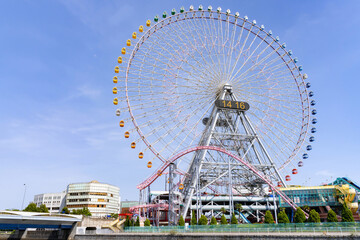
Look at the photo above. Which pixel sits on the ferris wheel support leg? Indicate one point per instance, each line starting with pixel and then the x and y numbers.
pixel 205 141
pixel 266 153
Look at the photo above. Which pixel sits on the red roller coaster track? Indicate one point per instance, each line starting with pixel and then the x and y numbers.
pixel 162 168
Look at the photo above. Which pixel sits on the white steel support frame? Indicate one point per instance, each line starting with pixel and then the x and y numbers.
pixel 196 179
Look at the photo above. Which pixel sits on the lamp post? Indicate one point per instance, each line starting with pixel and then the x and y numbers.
pixel 22 205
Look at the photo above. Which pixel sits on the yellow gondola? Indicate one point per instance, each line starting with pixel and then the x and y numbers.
pixel 119 59
pixel 128 43
pixel 123 50
pixel 115 79
pixel 114 90
pixel 127 134
pixel 141 28
pixel 115 101
pixel 134 35
pixel 116 69
pixel 148 23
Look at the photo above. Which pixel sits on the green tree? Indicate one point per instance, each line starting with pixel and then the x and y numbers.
pixel 282 217
pixel 137 223
pixel 147 223
pixel 114 215
pixel 43 208
pixel 331 217
pixel 127 222
pixel 193 218
pixel 85 211
pixel 223 220
pixel 181 221
pixel 306 208
pixel 299 216
pixel 268 217
pixel 31 208
pixel 65 210
pixel 233 219
pixel 239 207
pixel 314 216
pixel 346 215
pixel 213 221
pixel 223 210
pixel 203 220
pixel 132 222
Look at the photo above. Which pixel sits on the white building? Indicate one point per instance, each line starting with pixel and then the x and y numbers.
pixel 100 198
pixel 54 202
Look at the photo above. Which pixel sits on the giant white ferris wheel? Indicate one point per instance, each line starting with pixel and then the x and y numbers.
pixel 200 88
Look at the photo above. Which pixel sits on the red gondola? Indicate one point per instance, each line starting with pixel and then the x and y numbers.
pixel 287 178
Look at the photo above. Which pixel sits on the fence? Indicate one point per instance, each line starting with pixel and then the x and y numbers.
pixel 254 228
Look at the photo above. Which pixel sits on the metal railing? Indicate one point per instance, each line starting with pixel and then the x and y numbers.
pixel 341 227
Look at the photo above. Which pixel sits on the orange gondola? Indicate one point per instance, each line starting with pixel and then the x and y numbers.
pixel 141 155
pixel 181 186
pixel 149 164
pixel 127 134
pixel 121 124
pixel 133 145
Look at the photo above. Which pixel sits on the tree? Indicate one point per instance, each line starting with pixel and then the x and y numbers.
pixel 282 217
pixel 223 210
pixel 31 208
pixel 233 219
pixel 306 208
pixel 127 222
pixel 223 220
pixel 268 217
pixel 43 208
pixel 132 222
pixel 239 207
pixel 85 211
pixel 193 218
pixel 203 220
pixel 181 221
pixel 65 210
pixel 147 223
pixel 137 223
pixel 314 216
pixel 299 216
pixel 346 215
pixel 213 221
pixel 331 217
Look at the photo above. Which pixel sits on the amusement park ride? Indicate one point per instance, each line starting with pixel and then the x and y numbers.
pixel 219 106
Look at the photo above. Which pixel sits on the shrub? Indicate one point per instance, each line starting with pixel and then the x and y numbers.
pixel 147 223
pixel 314 216
pixel 203 220
pixel 181 221
pixel 137 223
pixel 282 217
pixel 299 216
pixel 346 215
pixel 268 217
pixel 193 218
pixel 223 220
pixel 213 221
pixel 233 219
pixel 331 217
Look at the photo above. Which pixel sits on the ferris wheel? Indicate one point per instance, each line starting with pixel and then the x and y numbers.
pixel 172 73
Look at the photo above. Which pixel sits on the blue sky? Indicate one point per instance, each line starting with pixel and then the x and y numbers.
pixel 57 123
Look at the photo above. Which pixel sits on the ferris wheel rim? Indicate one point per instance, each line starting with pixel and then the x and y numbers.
pixel 302 93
